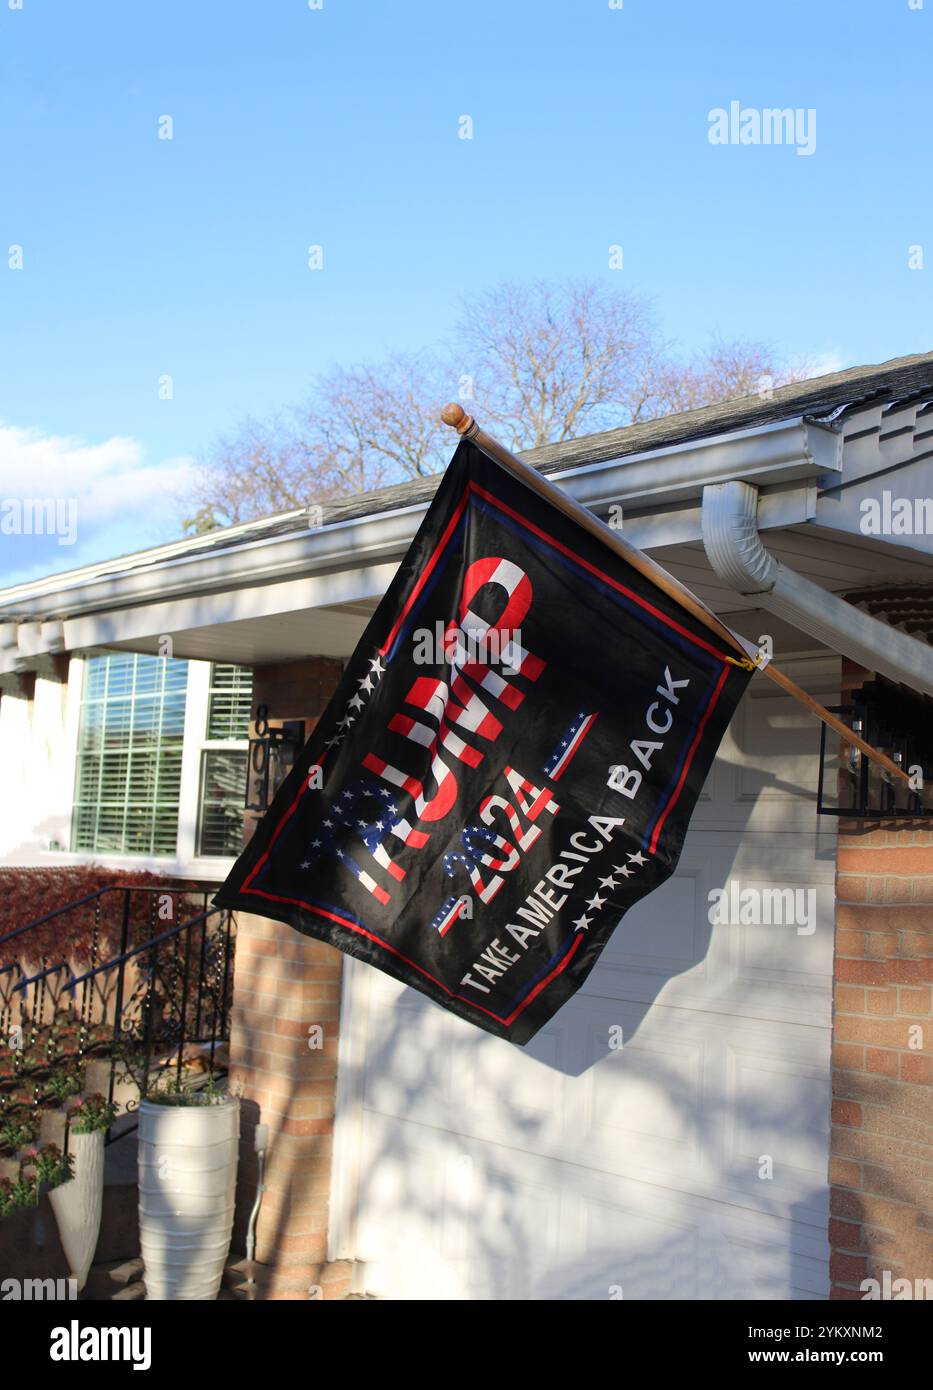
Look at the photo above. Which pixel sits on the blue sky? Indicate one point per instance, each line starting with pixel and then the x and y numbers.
pixel 338 126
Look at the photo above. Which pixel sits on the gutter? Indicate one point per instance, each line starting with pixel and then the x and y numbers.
pixel 783 453
pixel 787 451
pixel 739 558
pixel 291 555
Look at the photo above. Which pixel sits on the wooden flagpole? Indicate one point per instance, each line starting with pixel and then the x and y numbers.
pixel 455 416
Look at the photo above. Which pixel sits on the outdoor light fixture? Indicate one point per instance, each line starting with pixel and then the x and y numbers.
pixel 272 753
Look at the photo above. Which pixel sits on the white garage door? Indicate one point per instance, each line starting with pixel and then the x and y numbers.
pixel 689 1163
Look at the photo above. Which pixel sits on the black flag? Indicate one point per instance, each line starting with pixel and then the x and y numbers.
pixel 510 761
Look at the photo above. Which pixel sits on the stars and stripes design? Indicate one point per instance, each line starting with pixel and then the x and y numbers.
pixel 342 815
pixel 448 914
pixel 569 745
pixel 365 687
pixel 596 903
pixel 488 841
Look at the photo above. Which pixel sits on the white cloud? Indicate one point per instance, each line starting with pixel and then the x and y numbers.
pixel 124 502
pixel 825 363
pixel 108 479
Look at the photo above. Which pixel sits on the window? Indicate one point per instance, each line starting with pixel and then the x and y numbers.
pixel 228 706
pixel 223 761
pixel 129 755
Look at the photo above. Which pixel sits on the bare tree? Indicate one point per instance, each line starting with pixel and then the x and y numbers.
pixel 360 429
pixel 258 470
pixel 542 363
pixel 549 362
pixel 373 425
pixel 726 371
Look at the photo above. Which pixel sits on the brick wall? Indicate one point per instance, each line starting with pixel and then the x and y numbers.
pixel 881 1164
pixel 287 987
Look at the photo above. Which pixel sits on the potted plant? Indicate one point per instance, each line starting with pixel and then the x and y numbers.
pixel 188 1150
pixel 51 1167
pixel 25 1245
pixel 17 1130
pixel 78 1204
pixel 62 1084
pixel 17 1195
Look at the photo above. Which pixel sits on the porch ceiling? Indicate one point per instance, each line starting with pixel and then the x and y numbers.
pixel 285 636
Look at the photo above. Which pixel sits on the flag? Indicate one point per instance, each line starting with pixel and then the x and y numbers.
pixel 509 762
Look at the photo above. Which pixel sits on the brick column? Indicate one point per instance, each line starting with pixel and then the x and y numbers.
pixel 881 1164
pixel 286 1002
pixel 284 1032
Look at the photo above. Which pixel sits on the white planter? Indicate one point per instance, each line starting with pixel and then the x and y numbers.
pixel 187 1181
pixel 77 1204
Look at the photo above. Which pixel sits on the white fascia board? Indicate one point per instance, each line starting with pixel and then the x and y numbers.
pixel 256 562
pixel 29 640
pixel 681 523
pixel 141 559
pixel 785 451
pixel 126 624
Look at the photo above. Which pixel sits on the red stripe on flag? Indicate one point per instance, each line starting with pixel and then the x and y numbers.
pixel 542 984
pixel 361 931
pixel 428 570
pixel 576 745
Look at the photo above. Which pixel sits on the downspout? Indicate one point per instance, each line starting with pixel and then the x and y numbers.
pixel 738 556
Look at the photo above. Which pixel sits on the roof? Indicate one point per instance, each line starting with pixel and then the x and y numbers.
pixel 824 400
pixel 904 606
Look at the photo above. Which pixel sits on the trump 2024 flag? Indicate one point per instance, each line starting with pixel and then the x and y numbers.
pixel 510 761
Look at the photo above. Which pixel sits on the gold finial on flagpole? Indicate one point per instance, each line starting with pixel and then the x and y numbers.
pixel 455 416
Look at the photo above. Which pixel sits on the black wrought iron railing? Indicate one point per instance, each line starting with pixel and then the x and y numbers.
pixel 158 1007
pixel 854 788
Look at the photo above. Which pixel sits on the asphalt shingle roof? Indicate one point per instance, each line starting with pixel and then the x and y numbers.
pixel 824 398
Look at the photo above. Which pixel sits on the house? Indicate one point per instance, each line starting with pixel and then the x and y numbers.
pixel 765 1129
